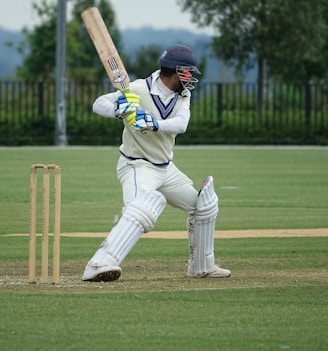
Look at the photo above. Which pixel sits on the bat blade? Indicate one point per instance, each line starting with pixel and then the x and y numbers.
pixel 106 49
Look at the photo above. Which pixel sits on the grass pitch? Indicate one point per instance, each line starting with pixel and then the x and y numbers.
pixel 276 298
pixel 258 188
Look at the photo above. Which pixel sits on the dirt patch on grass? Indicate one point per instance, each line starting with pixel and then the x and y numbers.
pixel 223 234
pixel 261 233
pixel 158 274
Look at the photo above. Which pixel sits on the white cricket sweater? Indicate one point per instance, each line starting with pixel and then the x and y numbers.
pixel 172 111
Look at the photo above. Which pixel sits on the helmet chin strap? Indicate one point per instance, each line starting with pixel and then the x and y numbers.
pixel 181 89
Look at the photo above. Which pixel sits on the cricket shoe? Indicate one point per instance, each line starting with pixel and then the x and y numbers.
pixel 98 274
pixel 215 271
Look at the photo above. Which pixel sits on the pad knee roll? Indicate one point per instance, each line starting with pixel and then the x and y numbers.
pixel 139 217
pixel 146 209
pixel 207 202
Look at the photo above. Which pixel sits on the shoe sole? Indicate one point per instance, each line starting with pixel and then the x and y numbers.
pixel 106 276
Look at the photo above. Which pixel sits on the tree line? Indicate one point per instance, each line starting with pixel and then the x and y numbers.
pixel 287 40
pixel 38 48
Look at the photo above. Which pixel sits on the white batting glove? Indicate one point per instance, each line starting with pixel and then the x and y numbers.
pixel 126 104
pixel 143 121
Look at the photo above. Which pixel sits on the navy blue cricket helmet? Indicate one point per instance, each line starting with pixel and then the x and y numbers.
pixel 178 55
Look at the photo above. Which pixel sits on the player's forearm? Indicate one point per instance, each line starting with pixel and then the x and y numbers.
pixel 104 105
pixel 176 125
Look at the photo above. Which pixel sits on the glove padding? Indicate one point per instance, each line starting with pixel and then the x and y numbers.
pixel 143 121
pixel 126 104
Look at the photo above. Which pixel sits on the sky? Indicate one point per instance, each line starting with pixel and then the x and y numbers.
pixel 159 14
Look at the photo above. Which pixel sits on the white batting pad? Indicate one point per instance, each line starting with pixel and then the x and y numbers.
pixel 201 229
pixel 139 217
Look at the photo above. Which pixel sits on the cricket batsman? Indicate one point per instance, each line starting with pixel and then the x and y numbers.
pixel 153 112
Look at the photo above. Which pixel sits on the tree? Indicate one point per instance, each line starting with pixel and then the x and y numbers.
pixel 82 59
pixel 288 36
pixel 145 61
pixel 39 46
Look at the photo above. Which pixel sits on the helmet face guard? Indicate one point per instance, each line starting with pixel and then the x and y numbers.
pixel 185 75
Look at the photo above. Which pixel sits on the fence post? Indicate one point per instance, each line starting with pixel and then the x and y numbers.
pixel 40 99
pixel 307 109
pixel 220 105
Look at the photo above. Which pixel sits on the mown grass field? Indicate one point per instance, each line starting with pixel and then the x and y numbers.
pixel 276 298
pixel 257 187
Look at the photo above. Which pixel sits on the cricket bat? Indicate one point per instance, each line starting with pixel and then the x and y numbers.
pixel 106 49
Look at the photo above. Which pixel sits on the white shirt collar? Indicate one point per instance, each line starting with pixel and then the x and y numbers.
pixel 160 89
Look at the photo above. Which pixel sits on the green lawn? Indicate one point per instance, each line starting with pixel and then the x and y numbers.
pixel 276 298
pixel 257 187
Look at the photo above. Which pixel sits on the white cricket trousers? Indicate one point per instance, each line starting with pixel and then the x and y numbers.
pixel 137 176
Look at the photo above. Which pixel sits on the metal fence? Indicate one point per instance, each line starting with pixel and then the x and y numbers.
pixel 221 113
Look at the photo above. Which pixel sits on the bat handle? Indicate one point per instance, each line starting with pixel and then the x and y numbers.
pixel 126 91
